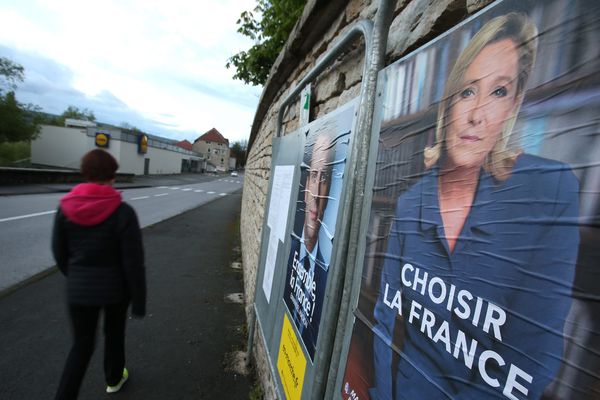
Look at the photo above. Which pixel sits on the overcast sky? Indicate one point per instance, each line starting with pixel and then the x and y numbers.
pixel 157 65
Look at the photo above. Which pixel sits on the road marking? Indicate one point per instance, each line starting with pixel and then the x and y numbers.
pixel 162 187
pixel 186 190
pixel 27 216
pixel 222 194
pixel 174 188
pixel 161 194
pixel 210 192
pixel 199 191
pixel 139 198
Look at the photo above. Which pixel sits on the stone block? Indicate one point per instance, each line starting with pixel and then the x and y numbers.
pixel 421 21
pixel 476 5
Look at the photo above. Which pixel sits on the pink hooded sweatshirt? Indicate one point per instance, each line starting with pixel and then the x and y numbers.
pixel 90 203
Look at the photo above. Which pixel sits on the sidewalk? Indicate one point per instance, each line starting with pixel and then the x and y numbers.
pixel 178 351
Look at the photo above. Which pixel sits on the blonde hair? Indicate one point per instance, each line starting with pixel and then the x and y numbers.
pixel 523 32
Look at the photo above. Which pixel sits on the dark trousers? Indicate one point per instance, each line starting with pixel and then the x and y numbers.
pixel 84 321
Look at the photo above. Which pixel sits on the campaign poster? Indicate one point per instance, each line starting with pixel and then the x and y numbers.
pixel 480 276
pixel 313 233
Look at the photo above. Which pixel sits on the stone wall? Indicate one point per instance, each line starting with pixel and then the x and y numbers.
pixel 414 23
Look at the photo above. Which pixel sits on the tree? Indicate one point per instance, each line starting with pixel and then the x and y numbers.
pixel 76 113
pixel 127 126
pixel 11 73
pixel 239 151
pixel 17 121
pixel 270 34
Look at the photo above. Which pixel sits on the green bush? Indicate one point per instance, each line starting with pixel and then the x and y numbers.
pixel 13 152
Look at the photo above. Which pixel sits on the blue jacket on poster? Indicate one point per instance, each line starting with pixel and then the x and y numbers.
pixel 485 321
pixel 317 268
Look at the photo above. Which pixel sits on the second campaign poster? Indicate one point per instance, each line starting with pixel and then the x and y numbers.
pixel 313 234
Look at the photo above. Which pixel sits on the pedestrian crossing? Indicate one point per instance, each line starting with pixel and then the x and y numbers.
pixel 166 190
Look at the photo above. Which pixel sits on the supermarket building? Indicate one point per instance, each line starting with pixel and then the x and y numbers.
pixel 136 152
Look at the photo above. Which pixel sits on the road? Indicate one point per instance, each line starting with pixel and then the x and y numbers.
pixel 26 221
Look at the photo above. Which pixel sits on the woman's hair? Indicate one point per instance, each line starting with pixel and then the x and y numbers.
pixel 523 32
pixel 98 166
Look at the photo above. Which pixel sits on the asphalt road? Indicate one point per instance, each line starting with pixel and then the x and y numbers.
pixel 178 351
pixel 26 219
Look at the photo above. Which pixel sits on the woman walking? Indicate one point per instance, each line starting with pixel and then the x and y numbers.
pixel 97 245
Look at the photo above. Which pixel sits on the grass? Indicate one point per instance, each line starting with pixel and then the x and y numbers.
pixel 256 393
pixel 12 152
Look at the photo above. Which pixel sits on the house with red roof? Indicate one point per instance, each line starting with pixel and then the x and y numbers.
pixel 185 144
pixel 214 148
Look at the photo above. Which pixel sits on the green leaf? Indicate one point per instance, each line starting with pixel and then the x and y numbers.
pixel 270 33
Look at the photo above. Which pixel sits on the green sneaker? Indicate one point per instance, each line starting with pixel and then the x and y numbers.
pixel 117 387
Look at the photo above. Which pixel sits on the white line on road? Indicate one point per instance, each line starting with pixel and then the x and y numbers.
pixel 27 216
pixel 186 190
pixel 161 194
pixel 210 192
pixel 199 191
pixel 139 198
pixel 222 194
pixel 174 188
pixel 162 187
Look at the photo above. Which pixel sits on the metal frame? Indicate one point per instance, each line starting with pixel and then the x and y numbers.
pixel 364 28
pixel 354 202
pixel 337 312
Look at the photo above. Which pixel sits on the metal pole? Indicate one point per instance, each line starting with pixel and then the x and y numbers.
pixel 327 330
pixel 355 196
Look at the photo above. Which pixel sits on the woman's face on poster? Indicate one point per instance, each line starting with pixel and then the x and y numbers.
pixel 486 98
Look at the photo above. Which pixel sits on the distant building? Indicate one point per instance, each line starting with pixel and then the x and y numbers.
pixel 184 144
pixel 136 152
pixel 213 147
pixel 200 166
pixel 232 161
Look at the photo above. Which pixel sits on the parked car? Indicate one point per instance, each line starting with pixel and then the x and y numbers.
pixel 234 173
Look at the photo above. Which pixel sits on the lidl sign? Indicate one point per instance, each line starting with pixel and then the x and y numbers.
pixel 142 144
pixel 102 139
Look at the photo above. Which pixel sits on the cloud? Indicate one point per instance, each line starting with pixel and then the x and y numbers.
pixel 231 95
pixel 47 85
pixel 155 65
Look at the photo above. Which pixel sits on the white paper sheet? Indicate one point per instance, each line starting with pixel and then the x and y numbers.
pixel 277 220
pixel 270 266
pixel 280 199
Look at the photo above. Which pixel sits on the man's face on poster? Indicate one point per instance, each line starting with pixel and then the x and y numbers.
pixel 317 189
